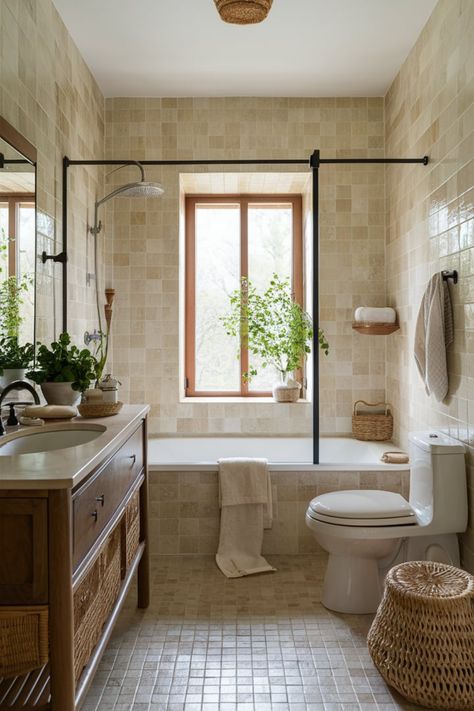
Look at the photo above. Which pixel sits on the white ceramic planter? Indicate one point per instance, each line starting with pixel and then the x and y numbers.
pixel 10 375
pixel 60 394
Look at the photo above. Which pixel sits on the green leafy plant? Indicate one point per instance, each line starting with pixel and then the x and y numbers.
pixel 12 292
pixel 64 363
pixel 272 325
pixel 12 355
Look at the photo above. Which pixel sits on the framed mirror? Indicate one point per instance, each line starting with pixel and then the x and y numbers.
pixel 17 251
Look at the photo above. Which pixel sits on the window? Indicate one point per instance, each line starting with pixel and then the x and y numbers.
pixel 227 238
pixel 17 234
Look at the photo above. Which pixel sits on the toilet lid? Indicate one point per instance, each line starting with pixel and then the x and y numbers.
pixel 362 504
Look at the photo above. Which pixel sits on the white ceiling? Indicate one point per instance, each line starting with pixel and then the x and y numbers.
pixel 304 47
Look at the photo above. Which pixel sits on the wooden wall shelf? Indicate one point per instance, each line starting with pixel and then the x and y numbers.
pixel 375 329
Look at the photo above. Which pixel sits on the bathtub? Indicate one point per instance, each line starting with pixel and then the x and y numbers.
pixel 283 453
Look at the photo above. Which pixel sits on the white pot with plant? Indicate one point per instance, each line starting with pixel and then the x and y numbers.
pixel 15 357
pixel 63 371
pixel 275 329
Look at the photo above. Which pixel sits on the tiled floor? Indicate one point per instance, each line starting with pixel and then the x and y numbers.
pixel 262 643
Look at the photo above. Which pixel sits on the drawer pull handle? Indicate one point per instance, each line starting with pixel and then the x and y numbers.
pixel 100 499
pixel 95 515
pixel 133 457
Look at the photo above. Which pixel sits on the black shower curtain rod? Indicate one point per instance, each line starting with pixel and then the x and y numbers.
pixel 257 161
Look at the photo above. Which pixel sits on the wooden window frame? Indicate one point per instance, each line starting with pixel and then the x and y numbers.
pixel 13 201
pixel 190 278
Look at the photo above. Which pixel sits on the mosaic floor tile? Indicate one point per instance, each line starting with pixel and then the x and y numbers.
pixel 261 643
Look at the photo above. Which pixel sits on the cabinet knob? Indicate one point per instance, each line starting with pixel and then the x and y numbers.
pixel 100 499
pixel 95 515
pixel 133 457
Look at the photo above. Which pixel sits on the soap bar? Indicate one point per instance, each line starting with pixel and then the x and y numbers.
pixel 50 412
pixel 372 314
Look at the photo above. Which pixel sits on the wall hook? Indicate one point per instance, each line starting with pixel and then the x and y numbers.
pixel 450 274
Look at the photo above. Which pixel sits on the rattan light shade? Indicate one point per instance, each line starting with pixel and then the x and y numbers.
pixel 243 12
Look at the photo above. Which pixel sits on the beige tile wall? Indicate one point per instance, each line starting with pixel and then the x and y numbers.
pixel 430 221
pixel 48 94
pixel 143 256
pixel 184 509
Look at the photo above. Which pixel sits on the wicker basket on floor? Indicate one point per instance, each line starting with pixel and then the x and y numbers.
pixel 422 638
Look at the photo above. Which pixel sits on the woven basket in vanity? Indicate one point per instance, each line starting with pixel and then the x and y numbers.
pixel 372 427
pixel 422 638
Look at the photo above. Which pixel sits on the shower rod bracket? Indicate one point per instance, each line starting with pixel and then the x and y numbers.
pixel 61 257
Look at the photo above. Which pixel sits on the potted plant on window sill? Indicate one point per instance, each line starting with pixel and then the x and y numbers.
pixel 276 329
pixel 63 371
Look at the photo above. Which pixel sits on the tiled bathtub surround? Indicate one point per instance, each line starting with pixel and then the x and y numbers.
pixel 143 248
pixel 184 509
pixel 430 222
pixel 49 95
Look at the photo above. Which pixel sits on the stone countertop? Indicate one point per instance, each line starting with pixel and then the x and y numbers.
pixel 66 468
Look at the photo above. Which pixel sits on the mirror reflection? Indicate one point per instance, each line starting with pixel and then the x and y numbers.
pixel 17 262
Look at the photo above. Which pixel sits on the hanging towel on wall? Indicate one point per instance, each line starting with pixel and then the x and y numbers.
pixel 246 509
pixel 433 334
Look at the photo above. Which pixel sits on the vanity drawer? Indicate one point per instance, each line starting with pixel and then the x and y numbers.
pixel 95 503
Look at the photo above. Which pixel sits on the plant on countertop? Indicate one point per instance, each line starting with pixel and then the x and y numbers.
pixel 273 324
pixel 64 363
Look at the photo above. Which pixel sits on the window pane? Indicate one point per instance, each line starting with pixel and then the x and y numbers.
pixel 270 250
pixel 26 266
pixel 217 238
pixel 3 241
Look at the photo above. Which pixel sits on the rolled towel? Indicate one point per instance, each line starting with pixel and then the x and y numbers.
pixel 395 458
pixel 373 314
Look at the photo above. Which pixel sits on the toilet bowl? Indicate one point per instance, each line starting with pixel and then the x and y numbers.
pixel 366 532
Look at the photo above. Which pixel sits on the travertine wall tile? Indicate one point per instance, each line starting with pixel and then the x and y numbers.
pixel 49 95
pixel 430 222
pixel 143 264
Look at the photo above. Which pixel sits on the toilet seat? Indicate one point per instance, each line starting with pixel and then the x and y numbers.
pixel 362 508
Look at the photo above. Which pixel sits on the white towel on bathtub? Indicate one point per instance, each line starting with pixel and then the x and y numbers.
pixel 246 506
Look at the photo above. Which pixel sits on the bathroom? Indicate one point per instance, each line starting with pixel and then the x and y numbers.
pixel 205 641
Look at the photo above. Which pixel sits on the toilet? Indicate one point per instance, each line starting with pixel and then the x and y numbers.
pixel 367 532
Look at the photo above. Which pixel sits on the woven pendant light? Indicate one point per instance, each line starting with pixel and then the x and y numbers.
pixel 243 12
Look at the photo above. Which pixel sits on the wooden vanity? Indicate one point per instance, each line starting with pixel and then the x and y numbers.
pixel 72 535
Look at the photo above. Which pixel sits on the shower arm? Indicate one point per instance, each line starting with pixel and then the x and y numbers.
pixel 95 230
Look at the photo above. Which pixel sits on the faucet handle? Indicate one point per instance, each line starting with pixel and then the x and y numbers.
pixel 12 418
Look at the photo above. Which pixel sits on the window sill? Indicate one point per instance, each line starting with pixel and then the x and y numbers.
pixel 240 400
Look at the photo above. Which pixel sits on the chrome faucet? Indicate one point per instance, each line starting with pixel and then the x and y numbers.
pixel 16 385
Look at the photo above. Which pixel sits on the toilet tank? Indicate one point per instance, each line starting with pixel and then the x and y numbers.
pixel 438 489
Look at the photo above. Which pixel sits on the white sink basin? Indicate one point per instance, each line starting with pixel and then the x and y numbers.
pixel 48 438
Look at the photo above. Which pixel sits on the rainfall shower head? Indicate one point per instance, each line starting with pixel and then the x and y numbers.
pixel 141 188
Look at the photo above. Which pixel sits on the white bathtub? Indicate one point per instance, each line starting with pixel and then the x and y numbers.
pixel 283 453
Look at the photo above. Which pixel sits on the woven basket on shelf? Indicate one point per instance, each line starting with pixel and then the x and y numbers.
pixel 23 639
pixel 99 409
pixel 94 599
pixel 422 638
pixel 373 427
pixel 130 531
